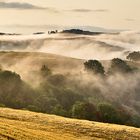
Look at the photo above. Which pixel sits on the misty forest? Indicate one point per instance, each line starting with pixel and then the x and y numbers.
pixel 73 73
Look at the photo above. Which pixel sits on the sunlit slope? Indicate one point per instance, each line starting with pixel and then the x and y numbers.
pixel 29 63
pixel 34 60
pixel 17 124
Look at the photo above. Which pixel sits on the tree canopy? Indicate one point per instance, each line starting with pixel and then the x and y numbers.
pixel 134 56
pixel 84 110
pixel 119 65
pixel 94 66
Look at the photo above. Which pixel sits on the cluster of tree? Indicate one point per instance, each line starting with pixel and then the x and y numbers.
pixel 13 91
pixel 134 56
pixel 53 32
pixel 103 112
pixel 117 66
pixel 49 97
pixel 58 95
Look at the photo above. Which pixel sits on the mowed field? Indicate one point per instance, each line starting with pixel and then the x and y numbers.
pixel 25 125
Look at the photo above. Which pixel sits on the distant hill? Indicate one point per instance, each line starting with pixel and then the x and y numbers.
pixel 78 31
pixel 21 125
pixel 38 33
pixel 1 33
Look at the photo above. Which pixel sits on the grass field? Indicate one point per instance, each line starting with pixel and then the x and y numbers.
pixel 25 125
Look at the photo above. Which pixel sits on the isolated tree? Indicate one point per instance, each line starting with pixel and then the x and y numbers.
pixel 45 71
pixel 134 56
pixel 94 66
pixel 119 65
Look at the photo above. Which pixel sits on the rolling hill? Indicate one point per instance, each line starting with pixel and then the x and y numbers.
pixel 25 63
pixel 23 125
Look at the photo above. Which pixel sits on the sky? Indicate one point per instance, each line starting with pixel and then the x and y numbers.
pixel 40 14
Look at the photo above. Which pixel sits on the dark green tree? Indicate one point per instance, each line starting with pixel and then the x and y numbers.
pixel 84 110
pixel 13 91
pixel 107 113
pixel 94 66
pixel 45 103
pixel 57 80
pixel 59 110
pixel 119 65
pixel 134 56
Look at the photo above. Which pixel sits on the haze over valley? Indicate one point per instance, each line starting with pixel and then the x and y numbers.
pixel 69 70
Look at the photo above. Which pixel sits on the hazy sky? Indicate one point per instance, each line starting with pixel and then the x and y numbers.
pixel 114 14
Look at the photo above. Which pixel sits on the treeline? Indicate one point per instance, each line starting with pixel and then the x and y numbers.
pixel 64 95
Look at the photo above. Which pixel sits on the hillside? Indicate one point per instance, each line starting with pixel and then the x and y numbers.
pixel 59 85
pixel 32 61
pixel 36 59
pixel 17 61
pixel 17 124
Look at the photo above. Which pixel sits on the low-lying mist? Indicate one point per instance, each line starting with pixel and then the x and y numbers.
pixel 102 47
pixel 26 55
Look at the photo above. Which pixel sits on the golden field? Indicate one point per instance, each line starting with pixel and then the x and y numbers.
pixel 25 125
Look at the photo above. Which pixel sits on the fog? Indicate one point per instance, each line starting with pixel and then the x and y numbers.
pixel 102 47
pixel 119 88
